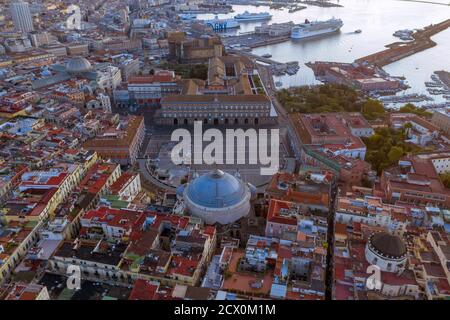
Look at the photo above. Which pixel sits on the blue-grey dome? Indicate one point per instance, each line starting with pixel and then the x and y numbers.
pixel 78 65
pixel 216 189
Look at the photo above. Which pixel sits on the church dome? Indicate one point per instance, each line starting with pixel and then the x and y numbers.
pixel 387 251
pixel 218 196
pixel 388 245
pixel 78 65
pixel 216 189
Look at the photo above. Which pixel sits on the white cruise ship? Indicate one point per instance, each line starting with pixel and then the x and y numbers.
pixel 315 28
pixel 221 24
pixel 247 16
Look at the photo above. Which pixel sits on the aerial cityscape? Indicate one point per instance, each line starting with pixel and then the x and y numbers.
pixel 225 150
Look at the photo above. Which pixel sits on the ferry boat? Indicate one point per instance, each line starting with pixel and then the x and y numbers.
pixel 247 16
pixel 222 24
pixel 315 28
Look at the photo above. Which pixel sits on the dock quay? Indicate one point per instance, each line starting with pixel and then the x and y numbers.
pixel 436 105
pixel 407 98
pixel 296 8
pixel 277 68
pixel 363 76
pixel 444 77
pixel 279 4
pixel 399 50
pixel 253 40
pixel 321 3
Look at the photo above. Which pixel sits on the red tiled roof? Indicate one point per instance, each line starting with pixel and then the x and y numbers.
pixel 143 290
pixel 184 265
pixel 121 182
pixel 273 214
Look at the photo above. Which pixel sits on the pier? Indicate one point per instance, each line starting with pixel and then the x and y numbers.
pixel 321 3
pixel 277 68
pixel 444 77
pixel 253 40
pixel 399 50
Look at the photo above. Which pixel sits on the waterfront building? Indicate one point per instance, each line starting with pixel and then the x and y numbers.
pixel 190 50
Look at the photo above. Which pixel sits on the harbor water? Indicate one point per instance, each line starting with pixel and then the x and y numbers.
pixel 378 20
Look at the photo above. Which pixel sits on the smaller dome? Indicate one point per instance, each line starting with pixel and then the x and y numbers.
pixel 78 65
pixel 388 245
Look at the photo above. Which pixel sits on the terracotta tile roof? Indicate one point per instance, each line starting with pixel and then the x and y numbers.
pixel 143 290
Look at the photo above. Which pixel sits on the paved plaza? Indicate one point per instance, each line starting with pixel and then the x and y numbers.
pixel 158 147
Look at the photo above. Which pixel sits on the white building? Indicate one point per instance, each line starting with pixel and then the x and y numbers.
pixel 109 78
pixel 20 12
pixel 105 102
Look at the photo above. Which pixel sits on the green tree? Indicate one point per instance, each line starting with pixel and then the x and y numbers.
pixel 395 154
pixel 372 109
pixel 319 99
pixel 386 146
pixel 410 108
pixel 445 179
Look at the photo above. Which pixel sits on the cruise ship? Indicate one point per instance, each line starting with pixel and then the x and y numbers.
pixel 315 28
pixel 247 16
pixel 221 24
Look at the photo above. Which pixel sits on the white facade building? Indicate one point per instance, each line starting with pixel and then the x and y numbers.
pixel 109 78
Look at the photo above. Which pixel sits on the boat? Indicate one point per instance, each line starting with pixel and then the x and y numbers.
pixel 315 28
pixel 278 84
pixel 247 16
pixel 358 31
pixel 405 35
pixel 221 24
pixel 187 16
pixel 267 55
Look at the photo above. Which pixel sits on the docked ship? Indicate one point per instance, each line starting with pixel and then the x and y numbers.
pixel 316 28
pixel 187 16
pixel 247 16
pixel 405 35
pixel 221 24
